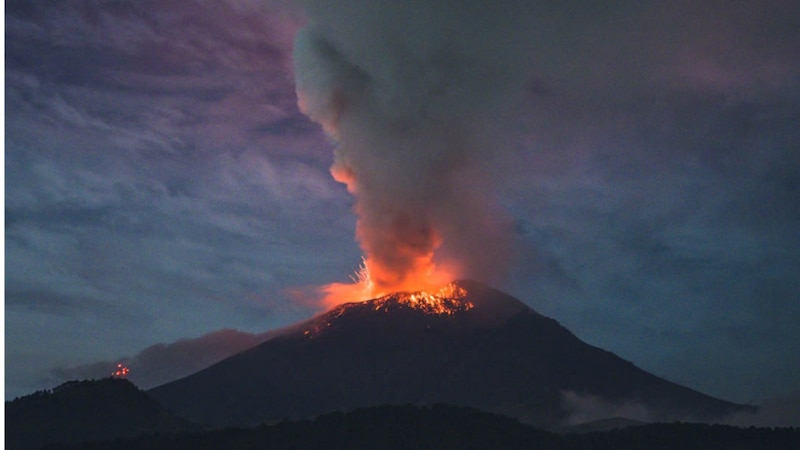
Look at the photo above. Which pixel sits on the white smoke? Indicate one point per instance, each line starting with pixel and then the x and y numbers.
pixel 774 412
pixel 162 363
pixel 583 408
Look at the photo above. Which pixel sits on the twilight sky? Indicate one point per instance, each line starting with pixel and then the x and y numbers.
pixel 167 203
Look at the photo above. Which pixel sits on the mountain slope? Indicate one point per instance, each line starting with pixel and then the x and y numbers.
pixel 79 411
pixel 478 347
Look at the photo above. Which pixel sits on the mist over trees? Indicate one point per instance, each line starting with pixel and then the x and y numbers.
pixel 445 427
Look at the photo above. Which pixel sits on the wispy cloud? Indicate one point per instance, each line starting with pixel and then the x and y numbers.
pixel 157 164
pixel 774 412
pixel 162 363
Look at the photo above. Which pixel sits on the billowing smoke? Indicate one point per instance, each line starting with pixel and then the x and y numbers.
pixel 585 408
pixel 409 91
pixel 162 363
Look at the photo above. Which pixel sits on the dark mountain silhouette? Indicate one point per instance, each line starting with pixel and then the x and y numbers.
pixel 79 411
pixel 612 423
pixel 443 427
pixel 483 349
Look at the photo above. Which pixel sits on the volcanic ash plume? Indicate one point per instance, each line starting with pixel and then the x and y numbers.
pixel 408 89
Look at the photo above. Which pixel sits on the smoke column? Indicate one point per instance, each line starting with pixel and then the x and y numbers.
pixel 408 90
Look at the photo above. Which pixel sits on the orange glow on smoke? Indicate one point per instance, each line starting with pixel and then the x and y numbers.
pixel 399 249
pixel 447 300
pixel 427 278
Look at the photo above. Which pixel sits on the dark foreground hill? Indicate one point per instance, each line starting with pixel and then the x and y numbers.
pixel 79 411
pixel 445 427
pixel 469 345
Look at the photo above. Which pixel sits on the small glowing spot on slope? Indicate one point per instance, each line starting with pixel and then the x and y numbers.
pixel 121 372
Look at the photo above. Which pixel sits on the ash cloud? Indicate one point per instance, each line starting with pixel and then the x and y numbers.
pixel 409 90
pixel 162 363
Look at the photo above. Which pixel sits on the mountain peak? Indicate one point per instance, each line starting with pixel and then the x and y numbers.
pixel 468 302
pixel 448 300
pixel 86 410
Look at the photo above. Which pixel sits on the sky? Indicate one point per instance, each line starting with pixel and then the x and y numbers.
pixel 168 202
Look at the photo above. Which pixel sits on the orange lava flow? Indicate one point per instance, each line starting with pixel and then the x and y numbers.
pixel 447 300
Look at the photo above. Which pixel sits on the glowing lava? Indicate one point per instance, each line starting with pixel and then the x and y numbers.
pixel 121 372
pixel 424 284
pixel 447 300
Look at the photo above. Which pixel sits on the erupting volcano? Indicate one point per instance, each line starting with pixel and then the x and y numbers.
pixel 412 121
pixel 464 344
pixel 410 108
pixel 448 299
pixel 419 289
